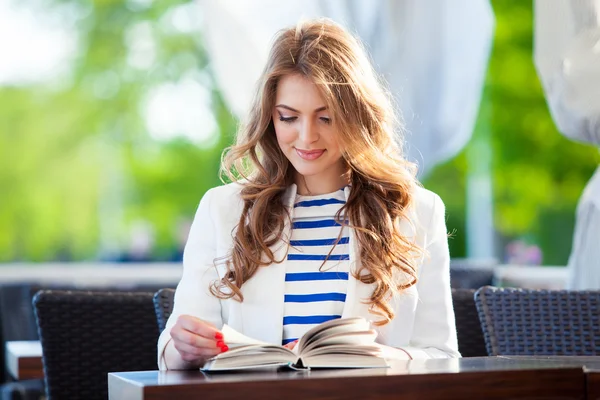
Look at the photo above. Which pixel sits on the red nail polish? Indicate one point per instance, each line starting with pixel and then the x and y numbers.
pixel 224 348
pixel 218 336
pixel 220 343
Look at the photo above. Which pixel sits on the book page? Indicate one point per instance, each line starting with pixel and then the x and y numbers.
pixel 247 361
pixel 253 355
pixel 350 338
pixel 332 327
pixel 345 356
pixel 233 338
pixel 344 361
pixel 245 352
pixel 372 350
pixel 255 349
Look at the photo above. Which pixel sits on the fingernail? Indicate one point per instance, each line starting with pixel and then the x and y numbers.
pixel 224 348
pixel 218 335
pixel 220 343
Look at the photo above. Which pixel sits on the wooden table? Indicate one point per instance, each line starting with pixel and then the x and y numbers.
pixel 589 364
pixel 485 377
pixel 592 373
pixel 24 359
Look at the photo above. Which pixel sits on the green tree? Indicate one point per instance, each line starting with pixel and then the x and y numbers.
pixel 538 174
pixel 76 155
pixel 77 163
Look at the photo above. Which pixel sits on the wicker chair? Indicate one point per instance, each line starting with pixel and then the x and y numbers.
pixel 468 328
pixel 470 277
pixel 85 335
pixel 539 322
pixel 163 306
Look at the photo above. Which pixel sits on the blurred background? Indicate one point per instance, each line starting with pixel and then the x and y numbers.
pixel 114 114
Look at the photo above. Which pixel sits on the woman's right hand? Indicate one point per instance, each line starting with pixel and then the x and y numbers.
pixel 196 340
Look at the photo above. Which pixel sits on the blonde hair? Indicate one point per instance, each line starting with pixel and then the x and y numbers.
pixel 382 181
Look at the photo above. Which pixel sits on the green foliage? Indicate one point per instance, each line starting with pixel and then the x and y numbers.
pixel 77 164
pixel 538 174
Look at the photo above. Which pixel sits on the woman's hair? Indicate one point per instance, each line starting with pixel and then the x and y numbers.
pixel 381 180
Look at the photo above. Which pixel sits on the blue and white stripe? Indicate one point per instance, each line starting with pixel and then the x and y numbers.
pixel 315 289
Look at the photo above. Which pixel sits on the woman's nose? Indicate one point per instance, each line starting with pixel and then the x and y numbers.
pixel 308 132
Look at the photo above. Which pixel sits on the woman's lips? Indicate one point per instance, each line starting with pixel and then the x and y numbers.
pixel 309 155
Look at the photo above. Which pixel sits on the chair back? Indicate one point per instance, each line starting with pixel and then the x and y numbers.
pixel 539 322
pixel 468 328
pixel 163 306
pixel 470 277
pixel 85 335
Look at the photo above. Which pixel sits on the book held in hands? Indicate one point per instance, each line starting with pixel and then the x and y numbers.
pixel 339 343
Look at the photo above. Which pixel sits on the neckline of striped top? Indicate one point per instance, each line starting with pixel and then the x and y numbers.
pixel 336 197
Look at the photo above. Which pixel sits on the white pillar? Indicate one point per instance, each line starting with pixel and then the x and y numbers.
pixel 480 204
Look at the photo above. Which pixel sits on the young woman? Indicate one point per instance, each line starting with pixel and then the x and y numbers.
pixel 324 219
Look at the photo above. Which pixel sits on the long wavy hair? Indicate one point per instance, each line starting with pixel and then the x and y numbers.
pixel 382 181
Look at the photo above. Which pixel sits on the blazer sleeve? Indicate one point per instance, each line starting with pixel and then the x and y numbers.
pixel 192 296
pixel 434 332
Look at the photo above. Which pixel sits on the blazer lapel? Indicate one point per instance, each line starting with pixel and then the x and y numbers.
pixel 262 308
pixel 358 293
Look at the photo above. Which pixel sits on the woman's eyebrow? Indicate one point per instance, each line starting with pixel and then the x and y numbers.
pixel 323 108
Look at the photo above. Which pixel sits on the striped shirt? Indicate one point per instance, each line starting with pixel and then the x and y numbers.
pixel 315 291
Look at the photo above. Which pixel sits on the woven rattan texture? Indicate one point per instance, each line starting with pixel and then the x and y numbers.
pixel 85 335
pixel 163 306
pixel 468 328
pixel 539 322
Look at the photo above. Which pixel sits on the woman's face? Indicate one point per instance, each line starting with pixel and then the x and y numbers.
pixel 306 135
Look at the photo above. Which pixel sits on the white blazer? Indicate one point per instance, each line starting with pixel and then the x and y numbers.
pixel 424 318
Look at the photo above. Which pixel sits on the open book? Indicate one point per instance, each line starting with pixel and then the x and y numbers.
pixel 339 343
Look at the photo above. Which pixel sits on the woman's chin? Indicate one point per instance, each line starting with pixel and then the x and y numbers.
pixel 308 172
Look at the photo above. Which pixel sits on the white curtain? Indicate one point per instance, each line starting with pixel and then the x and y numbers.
pixel 567 56
pixel 433 53
pixel 584 263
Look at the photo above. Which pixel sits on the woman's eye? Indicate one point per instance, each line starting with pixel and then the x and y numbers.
pixel 288 120
pixel 326 120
